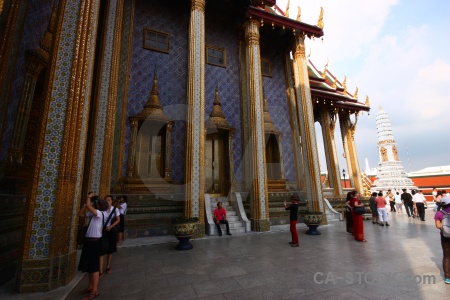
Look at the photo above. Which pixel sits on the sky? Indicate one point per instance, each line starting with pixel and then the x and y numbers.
pixel 397 52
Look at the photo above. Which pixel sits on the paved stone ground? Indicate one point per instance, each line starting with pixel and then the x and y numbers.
pixel 264 266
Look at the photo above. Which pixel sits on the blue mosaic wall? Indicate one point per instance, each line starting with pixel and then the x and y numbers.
pixel 37 19
pixel 221 33
pixel 171 68
pixel 275 89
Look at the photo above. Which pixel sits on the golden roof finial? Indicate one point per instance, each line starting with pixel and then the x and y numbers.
pixel 344 84
pixel 286 13
pixel 299 12
pixel 320 21
pixel 324 74
pixel 356 93
pixel 367 103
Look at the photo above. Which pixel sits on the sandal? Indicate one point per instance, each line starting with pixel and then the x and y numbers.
pixel 85 291
pixel 92 296
pixel 108 271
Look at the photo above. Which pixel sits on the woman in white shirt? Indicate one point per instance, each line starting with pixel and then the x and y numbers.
pixel 123 211
pixel 89 260
pixel 110 222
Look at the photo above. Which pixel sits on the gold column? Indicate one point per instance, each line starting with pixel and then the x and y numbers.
pixel 351 155
pixel 105 179
pixel 328 124
pixel 296 138
pixel 195 138
pixel 47 264
pixel 307 130
pixel 258 189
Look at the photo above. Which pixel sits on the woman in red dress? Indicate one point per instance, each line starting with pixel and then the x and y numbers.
pixel 358 226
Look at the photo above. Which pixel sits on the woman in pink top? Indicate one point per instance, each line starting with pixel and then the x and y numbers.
pixel 381 208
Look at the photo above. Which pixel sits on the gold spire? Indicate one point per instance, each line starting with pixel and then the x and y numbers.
pixel 320 21
pixel 324 74
pixel 286 13
pixel 344 84
pixel 299 12
pixel 367 103
pixel 356 93
pixel 268 123
pixel 217 117
pixel 380 108
pixel 153 109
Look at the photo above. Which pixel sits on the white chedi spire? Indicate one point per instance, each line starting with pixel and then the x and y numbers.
pixel 391 174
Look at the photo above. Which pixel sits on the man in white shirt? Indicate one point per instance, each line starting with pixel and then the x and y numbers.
pixel 420 202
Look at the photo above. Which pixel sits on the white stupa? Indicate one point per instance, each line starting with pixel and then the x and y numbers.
pixel 390 174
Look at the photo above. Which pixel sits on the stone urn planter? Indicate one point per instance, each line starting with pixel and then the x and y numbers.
pixel 184 228
pixel 312 219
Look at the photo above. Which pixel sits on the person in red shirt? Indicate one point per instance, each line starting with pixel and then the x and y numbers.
pixel 220 217
pixel 381 207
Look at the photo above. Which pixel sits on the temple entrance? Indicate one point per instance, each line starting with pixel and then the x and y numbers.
pixel 217 173
pixel 273 158
pixel 151 151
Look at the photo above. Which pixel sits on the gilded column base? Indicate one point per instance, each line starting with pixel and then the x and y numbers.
pixel 200 231
pixel 260 225
pixel 324 220
pixel 43 275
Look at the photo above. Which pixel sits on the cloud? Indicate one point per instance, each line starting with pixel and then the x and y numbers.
pixel 396 58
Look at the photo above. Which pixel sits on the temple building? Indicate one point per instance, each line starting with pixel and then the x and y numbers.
pixel 171 103
pixel 390 172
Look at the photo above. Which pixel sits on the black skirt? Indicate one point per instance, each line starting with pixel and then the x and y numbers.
pixel 112 241
pixel 89 260
pixel 122 223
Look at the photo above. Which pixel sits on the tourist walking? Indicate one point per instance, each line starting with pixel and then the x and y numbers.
pixel 407 202
pixel 445 241
pixel 220 217
pixel 373 208
pixel 420 203
pixel 348 213
pixel 382 212
pixel 89 259
pixel 112 219
pixel 390 198
pixel 398 202
pixel 123 205
pixel 358 225
pixel 293 217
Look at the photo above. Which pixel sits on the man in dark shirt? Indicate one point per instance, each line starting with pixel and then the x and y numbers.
pixel 407 201
pixel 293 217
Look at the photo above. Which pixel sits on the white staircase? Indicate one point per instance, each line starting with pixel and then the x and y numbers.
pixel 236 225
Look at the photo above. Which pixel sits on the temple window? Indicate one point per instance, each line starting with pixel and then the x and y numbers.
pixel 266 67
pixel 156 40
pixel 216 56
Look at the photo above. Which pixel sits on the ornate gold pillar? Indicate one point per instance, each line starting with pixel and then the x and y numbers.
pixel 48 256
pixel 195 137
pixel 255 148
pixel 351 155
pixel 296 138
pixel 307 129
pixel 328 123
pixel 105 101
